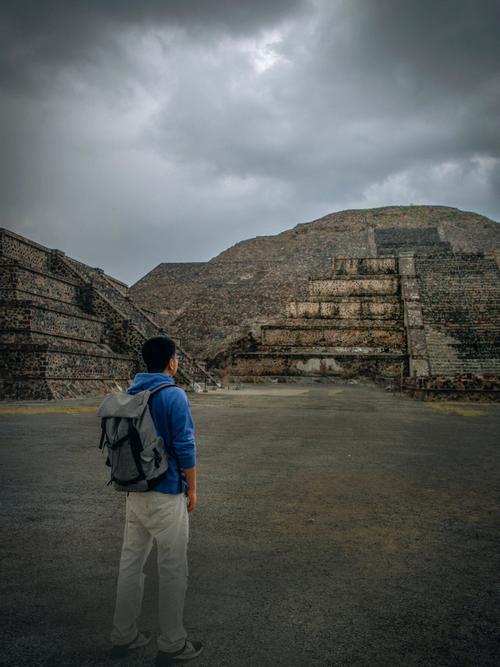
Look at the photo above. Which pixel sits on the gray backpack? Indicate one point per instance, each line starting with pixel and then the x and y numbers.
pixel 136 453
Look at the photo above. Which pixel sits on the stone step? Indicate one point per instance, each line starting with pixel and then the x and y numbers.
pixel 37 389
pixel 324 352
pixel 11 295
pixel 353 285
pixel 34 282
pixel 20 318
pixel 335 323
pixel 114 295
pixel 314 364
pixel 364 307
pixel 379 336
pixel 27 337
pixel 39 361
pixel 364 265
pixel 442 248
pixel 18 248
pixel 13 338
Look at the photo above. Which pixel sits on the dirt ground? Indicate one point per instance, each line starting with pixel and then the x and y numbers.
pixel 336 525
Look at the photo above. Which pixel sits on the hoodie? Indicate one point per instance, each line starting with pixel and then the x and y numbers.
pixel 172 418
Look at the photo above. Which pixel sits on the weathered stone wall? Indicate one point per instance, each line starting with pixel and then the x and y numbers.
pixel 27 252
pixel 37 282
pixel 353 286
pixel 356 333
pixel 442 310
pixel 340 335
pixel 168 287
pixel 395 240
pixel 35 256
pixel 483 387
pixel 381 307
pixel 364 265
pixel 257 282
pixel 259 367
pixel 30 361
pixel 252 282
pixel 68 329
pixel 51 344
pixel 30 318
pixel 460 297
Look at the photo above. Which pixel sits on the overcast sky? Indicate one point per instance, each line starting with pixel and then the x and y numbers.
pixel 140 132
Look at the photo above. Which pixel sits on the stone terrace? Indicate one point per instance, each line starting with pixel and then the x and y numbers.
pixel 349 325
pixel 251 283
pixel 68 329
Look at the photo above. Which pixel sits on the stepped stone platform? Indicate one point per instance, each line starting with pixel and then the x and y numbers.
pixel 68 330
pixel 213 304
pixel 365 338
pixel 430 323
pixel 413 296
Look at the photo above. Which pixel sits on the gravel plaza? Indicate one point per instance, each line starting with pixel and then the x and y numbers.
pixel 336 525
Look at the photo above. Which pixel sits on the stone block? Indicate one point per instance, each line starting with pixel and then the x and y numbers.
pixel 417 343
pixel 331 336
pixel 353 286
pixel 315 364
pixel 364 265
pixel 413 314
pixel 419 367
pixel 410 289
pixel 407 264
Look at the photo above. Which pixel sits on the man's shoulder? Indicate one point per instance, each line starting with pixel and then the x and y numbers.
pixel 173 394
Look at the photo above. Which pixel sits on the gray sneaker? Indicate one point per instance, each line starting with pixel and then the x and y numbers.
pixel 189 651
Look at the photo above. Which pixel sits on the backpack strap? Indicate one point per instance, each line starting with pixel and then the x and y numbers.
pixel 172 453
pixel 160 386
pixel 103 433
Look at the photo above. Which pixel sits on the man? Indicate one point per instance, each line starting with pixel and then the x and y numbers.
pixel 160 514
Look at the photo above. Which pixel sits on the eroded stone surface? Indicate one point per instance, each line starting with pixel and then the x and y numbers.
pixel 212 305
pixel 340 282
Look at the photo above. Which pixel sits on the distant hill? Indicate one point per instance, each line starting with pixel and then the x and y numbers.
pixel 210 304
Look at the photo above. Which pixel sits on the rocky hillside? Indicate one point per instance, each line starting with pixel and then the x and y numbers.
pixel 210 304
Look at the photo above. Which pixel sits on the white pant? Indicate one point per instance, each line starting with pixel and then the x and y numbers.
pixel 164 517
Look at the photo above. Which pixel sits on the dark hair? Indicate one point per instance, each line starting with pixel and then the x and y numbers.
pixel 157 352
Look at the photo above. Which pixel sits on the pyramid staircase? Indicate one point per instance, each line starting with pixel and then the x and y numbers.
pixel 350 324
pixel 69 330
pixel 139 324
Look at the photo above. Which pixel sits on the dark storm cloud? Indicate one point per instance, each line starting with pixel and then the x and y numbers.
pixel 36 36
pixel 366 90
pixel 452 44
pixel 140 132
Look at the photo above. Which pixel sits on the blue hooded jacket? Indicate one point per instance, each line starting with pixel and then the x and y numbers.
pixel 172 418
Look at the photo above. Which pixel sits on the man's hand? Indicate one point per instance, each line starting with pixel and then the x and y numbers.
pixel 190 474
pixel 191 495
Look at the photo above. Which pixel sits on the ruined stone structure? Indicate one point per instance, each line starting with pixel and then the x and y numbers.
pixel 350 325
pixel 420 321
pixel 407 294
pixel 67 329
pixel 413 295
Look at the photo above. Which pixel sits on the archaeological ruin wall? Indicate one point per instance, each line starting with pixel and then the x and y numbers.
pixel 409 294
pixel 250 284
pixel 429 324
pixel 350 324
pixel 67 329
